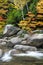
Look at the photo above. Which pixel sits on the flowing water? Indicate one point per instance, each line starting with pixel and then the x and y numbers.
pixel 31 58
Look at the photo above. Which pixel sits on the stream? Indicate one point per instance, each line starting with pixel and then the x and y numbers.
pixel 29 58
pixel 16 50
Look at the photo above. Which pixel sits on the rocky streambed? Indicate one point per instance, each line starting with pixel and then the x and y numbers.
pixel 19 46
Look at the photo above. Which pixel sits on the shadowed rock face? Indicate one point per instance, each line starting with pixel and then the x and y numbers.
pixel 10 30
pixel 36 40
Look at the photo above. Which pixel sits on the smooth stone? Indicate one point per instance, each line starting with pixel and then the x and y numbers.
pixel 1 40
pixel 37 31
pixel 14 51
pixel 9 45
pixel 3 43
pixel 22 32
pixel 15 40
pixel 25 48
pixel 36 40
pixel 24 42
pixel 37 36
pixel 10 30
pixel 26 36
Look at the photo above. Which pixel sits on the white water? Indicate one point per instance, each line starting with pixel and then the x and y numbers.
pixel 31 54
pixel 6 57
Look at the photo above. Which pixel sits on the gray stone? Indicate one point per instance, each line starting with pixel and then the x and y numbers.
pixel 10 30
pixel 36 40
pixel 3 43
pixel 26 36
pixel 22 32
pixel 25 48
pixel 15 40
pixel 24 42
pixel 14 51
pixel 37 36
pixel 37 31
pixel 9 45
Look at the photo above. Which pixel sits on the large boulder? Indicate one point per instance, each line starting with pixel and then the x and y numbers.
pixel 10 30
pixel 36 40
pixel 25 48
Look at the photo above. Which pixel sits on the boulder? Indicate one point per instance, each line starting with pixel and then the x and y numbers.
pixel 15 40
pixel 10 30
pixel 25 48
pixel 36 40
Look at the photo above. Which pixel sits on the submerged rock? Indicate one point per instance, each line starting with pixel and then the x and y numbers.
pixel 25 48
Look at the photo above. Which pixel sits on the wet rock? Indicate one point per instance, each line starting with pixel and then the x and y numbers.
pixel 3 43
pixel 9 45
pixel 26 36
pixel 22 32
pixel 37 31
pixel 37 36
pixel 24 42
pixel 36 40
pixel 14 51
pixel 10 30
pixel 25 48
pixel 1 52
pixel 15 40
